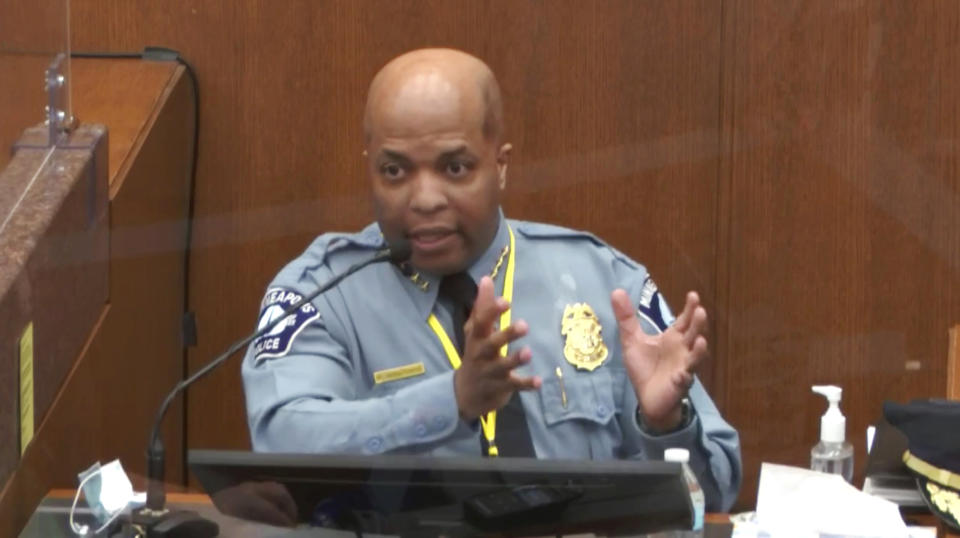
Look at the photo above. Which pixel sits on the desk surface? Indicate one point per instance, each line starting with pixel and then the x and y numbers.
pixel 51 520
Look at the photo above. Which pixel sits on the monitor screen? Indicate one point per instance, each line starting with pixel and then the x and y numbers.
pixel 412 495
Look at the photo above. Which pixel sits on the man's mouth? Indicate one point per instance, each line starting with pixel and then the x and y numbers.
pixel 427 240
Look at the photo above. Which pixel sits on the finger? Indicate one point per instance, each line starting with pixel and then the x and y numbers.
pixel 247 501
pixel 698 353
pixel 525 383
pixel 264 511
pixel 682 379
pixel 683 320
pixel 625 313
pixel 491 346
pixel 277 494
pixel 505 365
pixel 485 310
pixel 698 326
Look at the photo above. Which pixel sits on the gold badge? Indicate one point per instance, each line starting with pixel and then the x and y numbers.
pixel 583 347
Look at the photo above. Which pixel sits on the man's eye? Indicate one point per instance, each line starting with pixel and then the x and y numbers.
pixel 391 171
pixel 457 169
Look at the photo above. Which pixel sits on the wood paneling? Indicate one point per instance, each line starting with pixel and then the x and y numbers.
pixel 134 355
pixel 953 364
pixel 54 246
pixel 23 98
pixel 794 161
pixel 611 107
pixel 843 242
pixel 31 34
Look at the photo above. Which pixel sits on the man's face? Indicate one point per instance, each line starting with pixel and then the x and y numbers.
pixel 436 182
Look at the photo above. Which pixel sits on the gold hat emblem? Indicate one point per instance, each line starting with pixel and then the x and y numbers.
pixel 946 501
pixel 583 347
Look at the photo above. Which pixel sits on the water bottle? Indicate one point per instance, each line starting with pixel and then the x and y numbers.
pixel 682 456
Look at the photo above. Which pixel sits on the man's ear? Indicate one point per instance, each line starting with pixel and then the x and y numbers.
pixel 503 156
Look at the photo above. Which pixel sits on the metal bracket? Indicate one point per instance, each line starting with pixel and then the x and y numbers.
pixel 57 121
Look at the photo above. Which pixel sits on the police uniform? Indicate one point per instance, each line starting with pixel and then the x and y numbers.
pixel 363 368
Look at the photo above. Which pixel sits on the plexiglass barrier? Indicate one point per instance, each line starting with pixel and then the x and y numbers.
pixel 34 83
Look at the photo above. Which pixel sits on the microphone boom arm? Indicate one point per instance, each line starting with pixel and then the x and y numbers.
pixel 156 498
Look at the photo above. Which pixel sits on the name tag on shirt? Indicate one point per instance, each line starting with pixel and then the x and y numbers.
pixel 400 372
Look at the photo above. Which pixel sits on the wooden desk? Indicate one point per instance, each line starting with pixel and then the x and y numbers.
pixel 54 519
pixel 717 525
pixel 921 520
pixel 51 518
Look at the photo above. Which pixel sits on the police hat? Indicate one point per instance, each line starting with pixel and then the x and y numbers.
pixel 932 428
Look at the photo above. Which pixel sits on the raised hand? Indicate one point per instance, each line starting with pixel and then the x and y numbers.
pixel 661 367
pixel 485 381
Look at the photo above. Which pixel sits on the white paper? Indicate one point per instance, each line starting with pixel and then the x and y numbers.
pixel 115 487
pixel 795 502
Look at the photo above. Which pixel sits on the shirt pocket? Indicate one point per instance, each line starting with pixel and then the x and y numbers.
pixel 581 396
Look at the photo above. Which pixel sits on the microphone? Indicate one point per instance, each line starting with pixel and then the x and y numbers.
pixel 154 514
pixel 399 252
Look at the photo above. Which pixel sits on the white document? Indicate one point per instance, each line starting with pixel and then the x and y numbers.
pixel 795 502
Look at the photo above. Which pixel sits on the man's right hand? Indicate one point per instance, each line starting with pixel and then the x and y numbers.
pixel 485 381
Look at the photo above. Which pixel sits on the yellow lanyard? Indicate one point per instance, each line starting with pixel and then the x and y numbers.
pixel 488 422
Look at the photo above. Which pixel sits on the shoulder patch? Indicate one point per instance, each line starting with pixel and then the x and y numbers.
pixel 277 342
pixel 653 308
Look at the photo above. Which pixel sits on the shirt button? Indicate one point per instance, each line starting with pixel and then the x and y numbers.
pixel 374 444
pixel 601 410
pixel 420 429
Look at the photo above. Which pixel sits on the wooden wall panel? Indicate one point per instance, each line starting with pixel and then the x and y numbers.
pixel 796 162
pixel 611 108
pixel 21 96
pixel 842 248
pixel 133 356
pixel 31 33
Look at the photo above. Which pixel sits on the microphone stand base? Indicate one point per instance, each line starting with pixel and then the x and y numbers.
pixel 170 524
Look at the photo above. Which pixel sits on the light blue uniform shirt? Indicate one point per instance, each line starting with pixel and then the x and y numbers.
pixel 310 384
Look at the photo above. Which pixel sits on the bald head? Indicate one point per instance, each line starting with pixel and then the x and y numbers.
pixel 434 155
pixel 427 85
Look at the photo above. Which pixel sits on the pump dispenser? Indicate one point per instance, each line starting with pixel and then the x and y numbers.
pixel 832 454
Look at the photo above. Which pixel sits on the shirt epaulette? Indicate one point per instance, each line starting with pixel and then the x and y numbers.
pixel 537 230
pixel 317 256
pixel 330 243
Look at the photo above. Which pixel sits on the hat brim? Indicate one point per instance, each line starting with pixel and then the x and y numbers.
pixel 939 488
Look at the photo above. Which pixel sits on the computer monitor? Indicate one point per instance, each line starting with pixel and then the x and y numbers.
pixel 431 496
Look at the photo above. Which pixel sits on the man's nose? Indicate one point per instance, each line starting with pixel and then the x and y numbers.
pixel 429 193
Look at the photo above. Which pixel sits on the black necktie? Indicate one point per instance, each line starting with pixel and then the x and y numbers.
pixel 512 433
pixel 462 292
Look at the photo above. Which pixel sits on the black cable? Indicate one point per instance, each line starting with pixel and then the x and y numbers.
pixel 165 54
pixel 188 322
pixel 106 55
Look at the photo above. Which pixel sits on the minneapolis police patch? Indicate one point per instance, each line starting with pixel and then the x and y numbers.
pixel 277 341
pixel 653 308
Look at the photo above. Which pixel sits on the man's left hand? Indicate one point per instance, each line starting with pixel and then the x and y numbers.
pixel 661 367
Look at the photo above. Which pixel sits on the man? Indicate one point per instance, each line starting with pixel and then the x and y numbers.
pixel 499 337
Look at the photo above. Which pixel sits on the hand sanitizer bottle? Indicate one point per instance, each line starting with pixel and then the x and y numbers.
pixel 832 454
